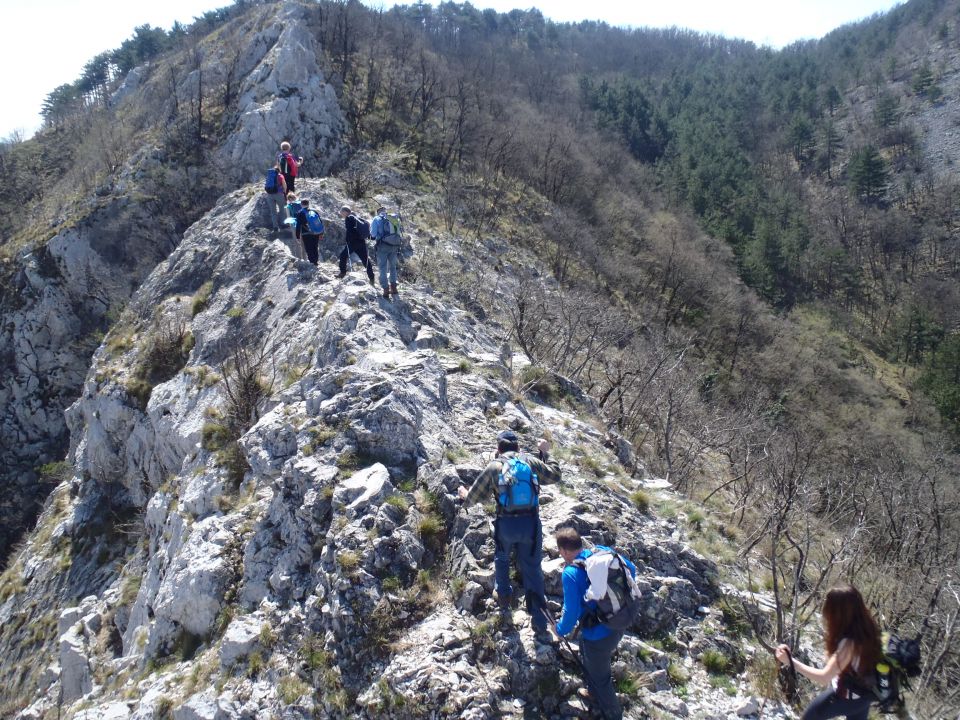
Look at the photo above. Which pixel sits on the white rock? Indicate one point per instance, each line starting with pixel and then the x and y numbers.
pixel 371 484
pixel 75 675
pixel 239 640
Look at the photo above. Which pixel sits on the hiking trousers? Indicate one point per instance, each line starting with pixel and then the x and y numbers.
pixel 387 259
pixel 597 656
pixel 828 705
pixel 523 535
pixel 311 243
pixel 277 207
pixel 360 248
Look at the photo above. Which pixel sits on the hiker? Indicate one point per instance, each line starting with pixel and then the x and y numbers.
pixel 289 165
pixel 355 242
pixel 387 246
pixel 598 639
pixel 852 641
pixel 293 207
pixel 513 479
pixel 276 189
pixel 309 231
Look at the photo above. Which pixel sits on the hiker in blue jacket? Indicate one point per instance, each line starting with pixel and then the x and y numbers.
pixel 309 231
pixel 386 249
pixel 517 529
pixel 597 642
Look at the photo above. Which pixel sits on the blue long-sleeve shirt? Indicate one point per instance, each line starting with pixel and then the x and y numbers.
pixel 575 584
pixel 377 231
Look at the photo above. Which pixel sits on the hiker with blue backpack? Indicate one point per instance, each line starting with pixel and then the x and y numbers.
pixel 385 230
pixel 357 232
pixel 309 230
pixel 276 189
pixel 513 479
pixel 600 596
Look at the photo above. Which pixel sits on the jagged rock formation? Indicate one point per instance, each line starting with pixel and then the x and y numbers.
pixel 284 97
pixel 54 308
pixel 303 556
pixel 60 296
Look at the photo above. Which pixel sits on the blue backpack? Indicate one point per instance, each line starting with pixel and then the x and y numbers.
pixel 518 490
pixel 271 185
pixel 313 221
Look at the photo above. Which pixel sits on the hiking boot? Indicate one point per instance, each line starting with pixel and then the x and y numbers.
pixel 341 276
pixel 543 636
pixel 386 294
pixel 393 291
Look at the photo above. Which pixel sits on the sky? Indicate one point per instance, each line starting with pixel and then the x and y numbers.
pixel 46 43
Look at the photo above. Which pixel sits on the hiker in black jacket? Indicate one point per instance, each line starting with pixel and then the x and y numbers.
pixel 355 244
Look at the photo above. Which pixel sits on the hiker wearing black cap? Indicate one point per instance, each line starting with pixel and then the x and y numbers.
pixel 514 480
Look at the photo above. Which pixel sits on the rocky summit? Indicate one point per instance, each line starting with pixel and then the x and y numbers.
pixel 261 516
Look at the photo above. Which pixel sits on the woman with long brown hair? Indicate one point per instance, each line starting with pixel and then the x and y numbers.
pixel 852 641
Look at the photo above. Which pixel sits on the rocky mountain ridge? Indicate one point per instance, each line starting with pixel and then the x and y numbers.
pixel 307 558
pixel 59 296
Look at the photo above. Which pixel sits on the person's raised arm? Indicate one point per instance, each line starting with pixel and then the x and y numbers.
pixel 821 676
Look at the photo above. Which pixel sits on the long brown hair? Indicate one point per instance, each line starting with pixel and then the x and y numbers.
pixel 846 617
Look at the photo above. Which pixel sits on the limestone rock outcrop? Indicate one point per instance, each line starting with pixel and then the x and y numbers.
pixel 303 554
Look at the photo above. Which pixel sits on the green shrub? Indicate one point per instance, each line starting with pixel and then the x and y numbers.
pixel 398 501
pixel 255 663
pixel 349 561
pixel 715 661
pixel 267 636
pixel 202 298
pixel 291 688
pixel 642 500
pixel 678 676
pixel 214 436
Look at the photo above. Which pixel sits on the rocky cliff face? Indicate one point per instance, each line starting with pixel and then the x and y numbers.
pixel 261 519
pixel 59 297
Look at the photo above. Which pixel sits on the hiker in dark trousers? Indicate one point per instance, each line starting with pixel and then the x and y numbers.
pixel 309 231
pixel 355 244
pixel 853 646
pixel 597 641
pixel 289 165
pixel 517 529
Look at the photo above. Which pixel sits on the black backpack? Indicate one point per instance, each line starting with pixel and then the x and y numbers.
pixel 363 228
pixel 900 661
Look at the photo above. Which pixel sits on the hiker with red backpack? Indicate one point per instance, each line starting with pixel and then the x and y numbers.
pixel 309 230
pixel 513 479
pixel 600 595
pixel 289 165
pixel 357 232
pixel 276 189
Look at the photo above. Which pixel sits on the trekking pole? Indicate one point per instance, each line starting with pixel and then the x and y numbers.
pixel 583 668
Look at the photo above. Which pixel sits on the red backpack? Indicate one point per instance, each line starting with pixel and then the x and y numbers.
pixel 288 164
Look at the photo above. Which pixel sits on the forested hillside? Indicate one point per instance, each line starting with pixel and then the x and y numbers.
pixel 747 258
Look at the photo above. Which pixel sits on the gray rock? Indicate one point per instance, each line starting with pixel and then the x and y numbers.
pixel 75 677
pixel 239 640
